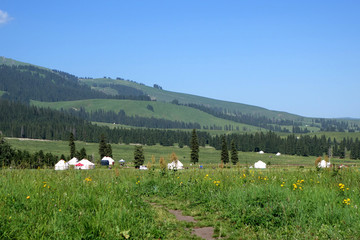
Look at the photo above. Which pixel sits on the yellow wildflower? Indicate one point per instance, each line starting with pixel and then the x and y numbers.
pixel 28 197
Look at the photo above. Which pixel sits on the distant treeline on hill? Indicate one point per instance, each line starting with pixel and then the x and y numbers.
pixel 330 125
pixel 25 83
pixel 136 121
pixel 259 121
pixel 18 120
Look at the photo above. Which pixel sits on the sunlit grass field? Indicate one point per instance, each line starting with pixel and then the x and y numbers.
pixel 208 155
pixel 239 203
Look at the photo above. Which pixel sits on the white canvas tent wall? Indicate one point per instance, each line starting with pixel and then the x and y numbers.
pixel 278 154
pixel 143 168
pixel 261 152
pixel 73 161
pixel 61 165
pixel 109 159
pixel 175 165
pixel 323 164
pixel 260 164
pixel 86 164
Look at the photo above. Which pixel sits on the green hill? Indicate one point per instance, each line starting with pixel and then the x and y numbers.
pixel 168 96
pixel 24 82
pixel 160 110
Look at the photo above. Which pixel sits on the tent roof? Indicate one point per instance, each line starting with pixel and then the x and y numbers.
pixel 108 159
pixel 61 163
pixel 86 162
pixel 73 161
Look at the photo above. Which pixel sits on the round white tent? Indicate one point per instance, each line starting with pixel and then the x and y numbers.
pixel 73 161
pixel 261 152
pixel 278 154
pixel 175 165
pixel 324 164
pixel 61 165
pixel 85 164
pixel 260 164
pixel 107 161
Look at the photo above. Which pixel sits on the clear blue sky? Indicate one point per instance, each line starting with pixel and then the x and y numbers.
pixel 301 57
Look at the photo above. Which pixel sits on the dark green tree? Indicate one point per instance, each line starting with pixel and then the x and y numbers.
pixel 82 153
pixel 108 150
pixel 6 153
pixel 234 153
pixel 72 145
pixel 224 151
pixel 194 145
pixel 102 146
pixel 139 157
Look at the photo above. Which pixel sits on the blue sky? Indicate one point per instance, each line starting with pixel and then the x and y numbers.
pixel 301 57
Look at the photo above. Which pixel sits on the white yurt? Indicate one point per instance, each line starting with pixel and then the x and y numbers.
pixel 122 162
pixel 323 164
pixel 175 165
pixel 107 161
pixel 278 154
pixel 260 164
pixel 73 161
pixel 61 165
pixel 85 164
pixel 261 152
pixel 143 168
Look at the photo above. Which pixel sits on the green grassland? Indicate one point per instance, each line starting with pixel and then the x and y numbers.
pixel 161 110
pixel 1 93
pixel 208 156
pixel 238 203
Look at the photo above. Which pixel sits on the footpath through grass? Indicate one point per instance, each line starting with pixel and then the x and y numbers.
pixel 237 202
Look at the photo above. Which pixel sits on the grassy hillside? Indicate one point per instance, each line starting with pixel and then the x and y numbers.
pixel 167 96
pixel 161 110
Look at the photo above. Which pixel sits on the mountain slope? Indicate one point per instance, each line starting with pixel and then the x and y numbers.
pixel 168 96
pixel 158 110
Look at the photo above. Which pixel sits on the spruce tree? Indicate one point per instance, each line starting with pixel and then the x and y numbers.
pixel 139 158
pixel 102 146
pixel 194 155
pixel 234 153
pixel 108 150
pixel 224 151
pixel 82 153
pixel 72 145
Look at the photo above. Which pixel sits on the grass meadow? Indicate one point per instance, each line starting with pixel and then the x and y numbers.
pixel 289 200
pixel 208 156
pixel 240 203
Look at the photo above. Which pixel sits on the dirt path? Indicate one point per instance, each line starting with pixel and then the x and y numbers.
pixel 203 232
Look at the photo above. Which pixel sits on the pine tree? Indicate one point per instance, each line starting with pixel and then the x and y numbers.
pixel 108 150
pixel 72 145
pixel 234 153
pixel 102 146
pixel 82 153
pixel 224 151
pixel 139 158
pixel 194 155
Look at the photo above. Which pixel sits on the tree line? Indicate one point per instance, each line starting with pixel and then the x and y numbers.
pixel 25 83
pixel 19 120
pixel 136 121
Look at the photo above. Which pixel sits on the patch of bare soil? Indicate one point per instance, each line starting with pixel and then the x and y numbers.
pixel 179 216
pixel 204 232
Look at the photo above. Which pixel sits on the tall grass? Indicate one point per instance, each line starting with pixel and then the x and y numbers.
pixel 238 202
